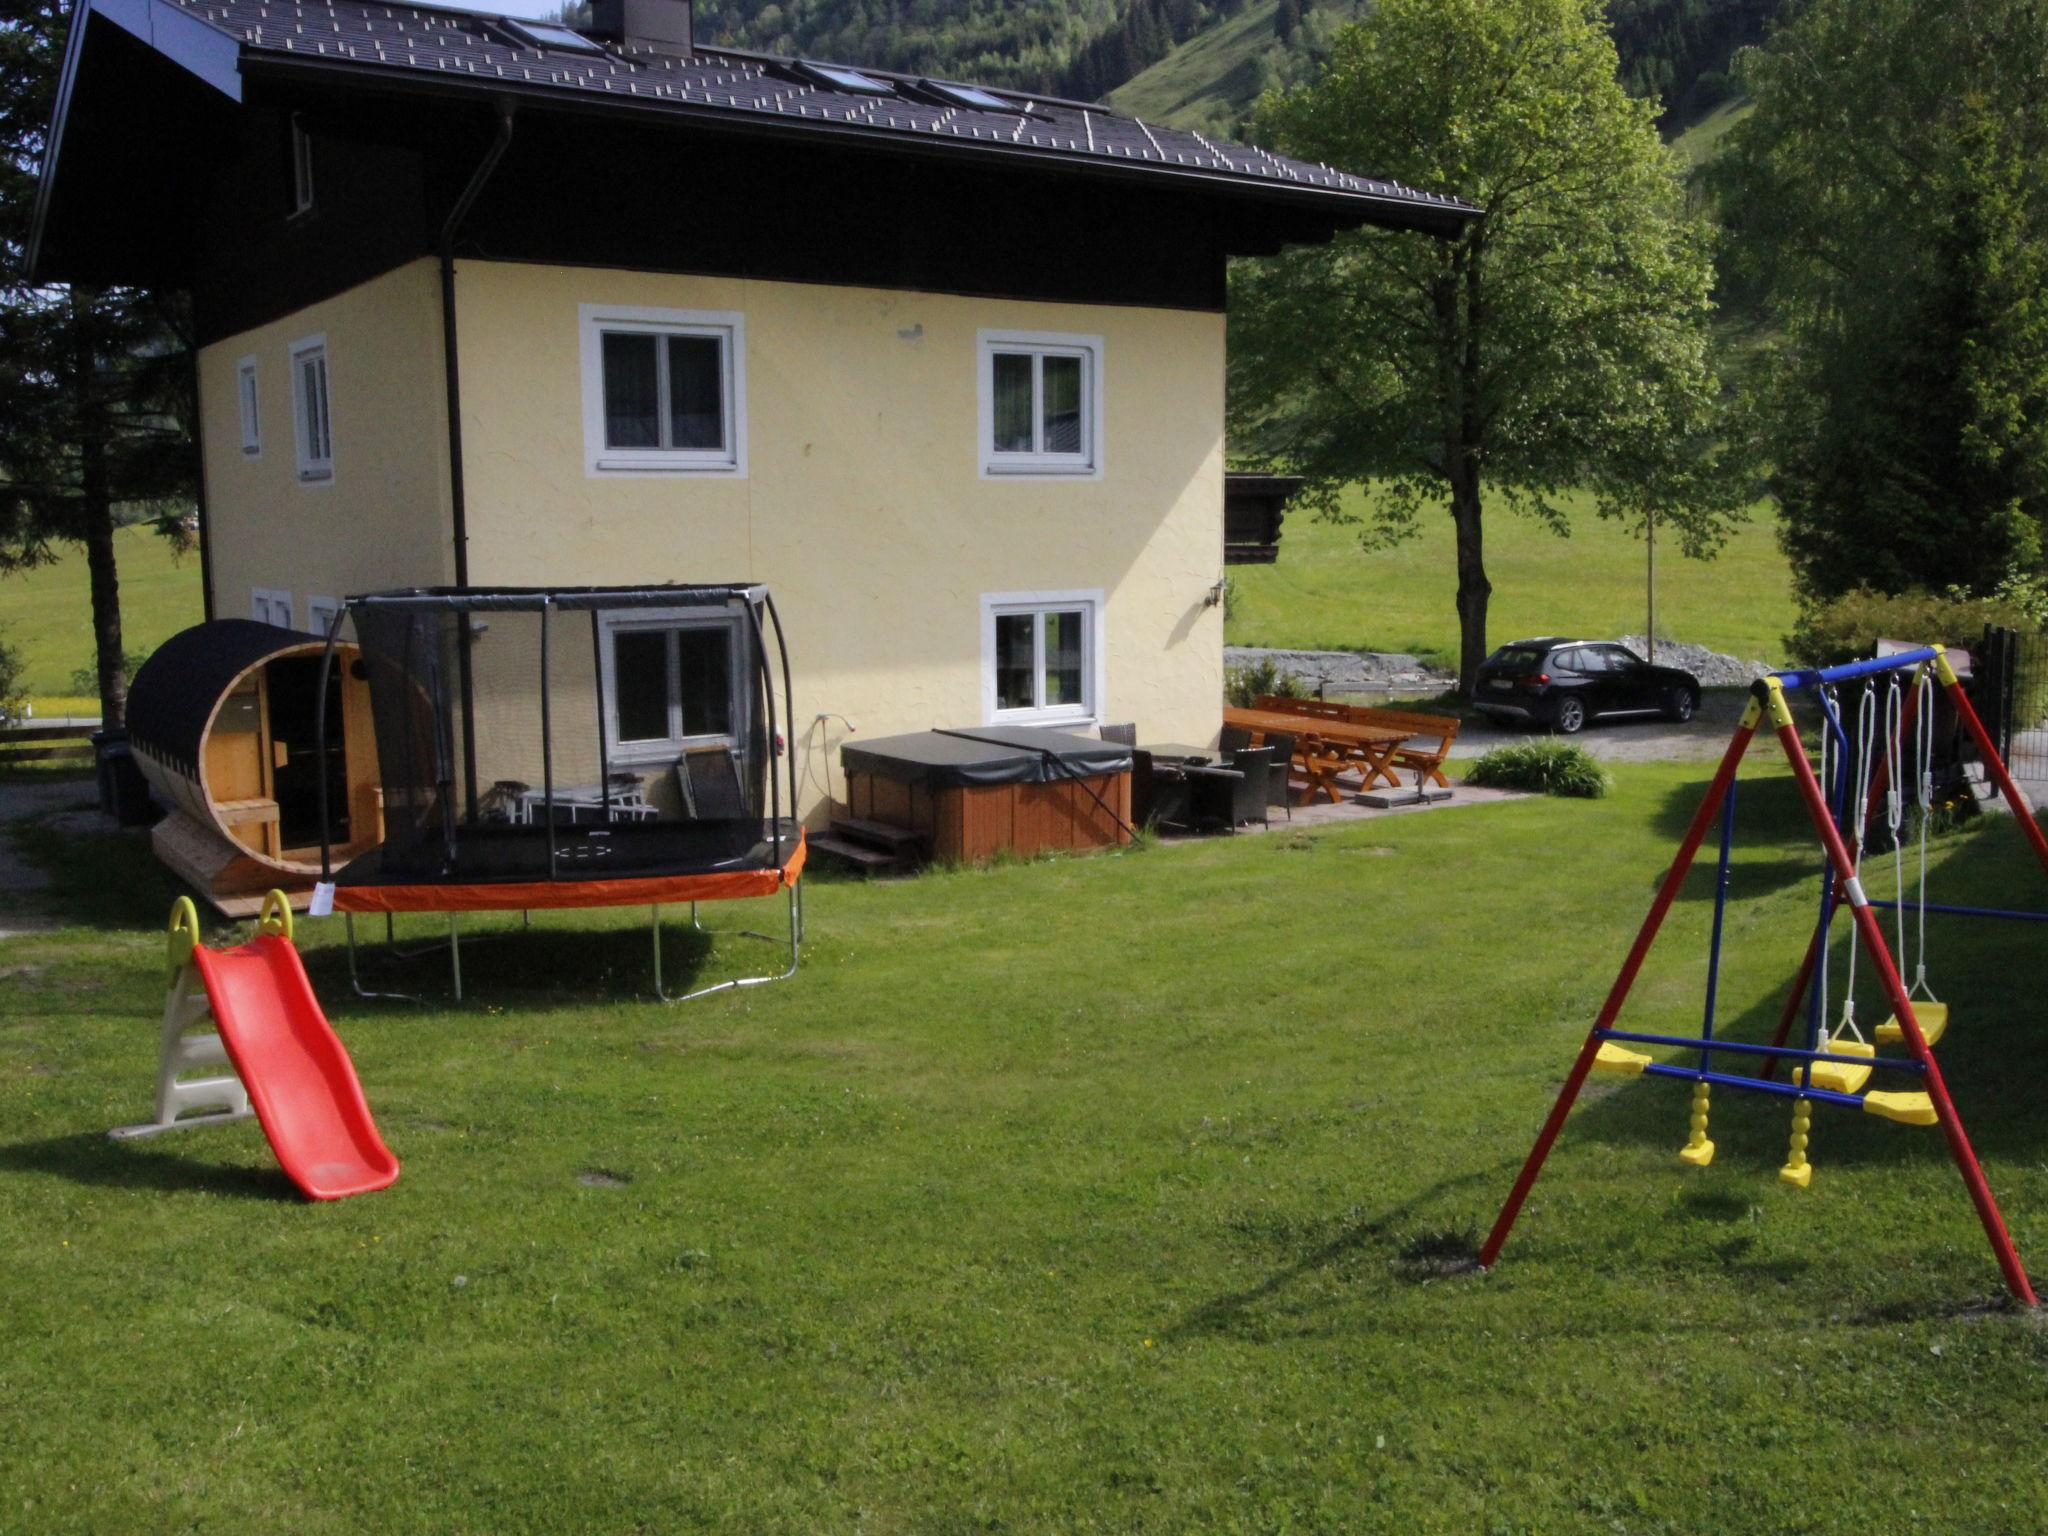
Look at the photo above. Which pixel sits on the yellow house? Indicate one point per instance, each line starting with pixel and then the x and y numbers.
pixel 486 302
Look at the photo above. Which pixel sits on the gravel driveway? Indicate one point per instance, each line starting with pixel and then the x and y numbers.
pixel 1631 739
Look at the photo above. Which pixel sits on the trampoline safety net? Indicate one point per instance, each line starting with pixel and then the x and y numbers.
pixel 581 734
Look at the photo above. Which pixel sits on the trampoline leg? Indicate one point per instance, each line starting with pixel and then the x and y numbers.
pixel 525 918
pixel 795 933
pixel 390 929
pixel 455 951
pixel 355 980
pixel 654 920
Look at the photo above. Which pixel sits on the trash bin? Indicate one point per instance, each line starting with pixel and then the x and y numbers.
pixel 124 793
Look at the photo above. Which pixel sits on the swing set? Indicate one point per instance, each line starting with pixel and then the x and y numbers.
pixel 1860 779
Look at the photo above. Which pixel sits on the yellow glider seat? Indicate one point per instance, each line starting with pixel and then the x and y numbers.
pixel 1933 1019
pixel 1906 1108
pixel 1836 1076
pixel 1620 1061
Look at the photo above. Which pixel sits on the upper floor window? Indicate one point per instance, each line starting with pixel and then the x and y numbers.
pixel 664 391
pixel 310 410
pixel 1041 404
pixel 245 399
pixel 302 167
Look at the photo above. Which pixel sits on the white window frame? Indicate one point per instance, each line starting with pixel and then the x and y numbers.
pixel 670 748
pixel 1089 710
pixel 1085 465
pixel 727 326
pixel 248 402
pixel 320 612
pixel 266 603
pixel 314 469
pixel 302 167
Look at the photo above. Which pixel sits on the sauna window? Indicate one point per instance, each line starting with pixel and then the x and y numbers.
pixel 1041 404
pixel 664 391
pixel 1041 658
pixel 669 685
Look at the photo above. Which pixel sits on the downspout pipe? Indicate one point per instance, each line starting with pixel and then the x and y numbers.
pixel 449 367
pixel 451 372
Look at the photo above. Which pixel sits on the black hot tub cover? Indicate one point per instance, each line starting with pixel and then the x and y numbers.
pixel 987 754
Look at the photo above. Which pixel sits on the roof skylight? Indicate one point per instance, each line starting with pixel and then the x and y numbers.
pixel 549 34
pixel 839 78
pixel 973 97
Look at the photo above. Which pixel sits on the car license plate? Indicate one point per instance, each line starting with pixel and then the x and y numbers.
pixel 1499 682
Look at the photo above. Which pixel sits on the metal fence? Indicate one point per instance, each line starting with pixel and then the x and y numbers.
pixel 2010 690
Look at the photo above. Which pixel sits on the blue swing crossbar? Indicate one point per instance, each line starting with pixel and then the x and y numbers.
pixel 1753 1084
pixel 1790 1052
pixel 1810 677
pixel 1954 911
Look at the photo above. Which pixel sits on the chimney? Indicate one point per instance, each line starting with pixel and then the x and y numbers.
pixel 663 25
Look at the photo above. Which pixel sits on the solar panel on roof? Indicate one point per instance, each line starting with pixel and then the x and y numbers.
pixel 547 34
pixel 972 97
pixel 840 78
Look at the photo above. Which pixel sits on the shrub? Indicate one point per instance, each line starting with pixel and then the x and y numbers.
pixel 1848 627
pixel 1243 686
pixel 13 696
pixel 1543 768
pixel 85 681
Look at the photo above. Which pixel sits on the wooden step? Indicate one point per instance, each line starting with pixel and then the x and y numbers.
pixel 857 854
pixel 878 834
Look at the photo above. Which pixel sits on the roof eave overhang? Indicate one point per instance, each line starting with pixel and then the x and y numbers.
pixel 202 50
pixel 1343 210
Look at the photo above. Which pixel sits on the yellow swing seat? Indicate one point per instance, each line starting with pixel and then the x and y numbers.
pixel 1906 1108
pixel 1619 1060
pixel 1836 1076
pixel 1933 1019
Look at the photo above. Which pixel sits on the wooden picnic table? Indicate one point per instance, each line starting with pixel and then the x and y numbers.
pixel 1325 748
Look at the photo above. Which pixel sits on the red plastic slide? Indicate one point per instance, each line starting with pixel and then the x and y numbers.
pixel 298 1076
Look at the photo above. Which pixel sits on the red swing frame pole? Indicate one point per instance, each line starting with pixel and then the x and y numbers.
pixel 1895 990
pixel 1702 819
pixel 1879 782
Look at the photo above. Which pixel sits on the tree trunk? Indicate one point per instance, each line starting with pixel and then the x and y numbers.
pixel 1473 588
pixel 96 519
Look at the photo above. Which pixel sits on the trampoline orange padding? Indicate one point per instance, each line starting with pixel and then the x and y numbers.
pixel 540 895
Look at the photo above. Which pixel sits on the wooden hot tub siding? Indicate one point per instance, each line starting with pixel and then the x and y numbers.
pixel 968 823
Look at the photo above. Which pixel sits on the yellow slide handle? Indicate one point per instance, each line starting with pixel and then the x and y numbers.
pixel 276 919
pixel 183 935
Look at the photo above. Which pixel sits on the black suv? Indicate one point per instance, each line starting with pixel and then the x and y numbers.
pixel 1565 683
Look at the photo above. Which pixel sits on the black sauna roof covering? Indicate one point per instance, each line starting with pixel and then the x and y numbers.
pixel 447 48
pixel 985 754
pixel 174 692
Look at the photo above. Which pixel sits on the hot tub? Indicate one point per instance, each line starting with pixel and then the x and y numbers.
pixel 976 791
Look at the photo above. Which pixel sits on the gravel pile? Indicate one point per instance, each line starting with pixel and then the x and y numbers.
pixel 1338 672
pixel 1712 668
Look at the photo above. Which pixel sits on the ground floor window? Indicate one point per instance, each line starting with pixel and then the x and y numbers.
pixel 670 683
pixel 267 605
pixel 1041 657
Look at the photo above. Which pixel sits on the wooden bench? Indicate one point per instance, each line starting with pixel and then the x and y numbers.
pixel 1427 761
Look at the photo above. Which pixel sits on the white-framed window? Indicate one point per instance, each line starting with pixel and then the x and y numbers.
pixel 247 403
pixel 302 167
pixel 1041 404
pixel 664 391
pixel 320 612
pixel 1041 657
pixel 267 605
pixel 311 420
pixel 672 681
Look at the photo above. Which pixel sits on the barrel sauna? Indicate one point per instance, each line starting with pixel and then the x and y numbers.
pixel 224 722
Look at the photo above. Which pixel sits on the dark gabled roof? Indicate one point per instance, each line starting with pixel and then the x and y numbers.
pixel 218 41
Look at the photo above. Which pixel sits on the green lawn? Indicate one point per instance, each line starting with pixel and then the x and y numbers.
pixel 1327 593
pixel 46 612
pixel 1114 1194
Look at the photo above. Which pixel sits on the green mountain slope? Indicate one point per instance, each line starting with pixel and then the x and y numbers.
pixel 1211 80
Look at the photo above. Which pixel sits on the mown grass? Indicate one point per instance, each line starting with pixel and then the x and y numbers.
pixel 46 613
pixel 1327 593
pixel 1114 1194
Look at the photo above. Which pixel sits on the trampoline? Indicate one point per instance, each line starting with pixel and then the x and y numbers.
pixel 573 747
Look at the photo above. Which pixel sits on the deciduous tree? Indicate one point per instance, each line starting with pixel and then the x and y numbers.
pixel 1560 342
